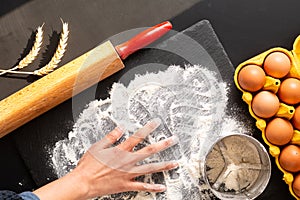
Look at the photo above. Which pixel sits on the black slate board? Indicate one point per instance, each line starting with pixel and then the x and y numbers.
pixel 36 137
pixel 12 161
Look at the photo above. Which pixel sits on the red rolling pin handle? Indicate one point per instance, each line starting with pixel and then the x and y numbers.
pixel 143 39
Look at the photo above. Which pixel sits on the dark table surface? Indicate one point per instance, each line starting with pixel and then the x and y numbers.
pixel 245 28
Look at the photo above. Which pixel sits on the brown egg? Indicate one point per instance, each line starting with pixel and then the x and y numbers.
pixel 296 118
pixel 277 64
pixel 296 185
pixel 279 131
pixel 289 91
pixel 251 78
pixel 265 104
pixel 289 158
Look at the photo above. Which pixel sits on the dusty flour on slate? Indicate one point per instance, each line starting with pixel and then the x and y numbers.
pixel 192 105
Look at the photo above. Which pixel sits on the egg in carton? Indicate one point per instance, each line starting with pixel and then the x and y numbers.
pixel 270 83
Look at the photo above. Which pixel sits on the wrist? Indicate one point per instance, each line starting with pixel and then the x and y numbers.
pixel 70 187
pixel 79 183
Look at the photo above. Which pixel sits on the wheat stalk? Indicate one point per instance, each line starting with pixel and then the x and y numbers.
pixel 33 53
pixel 59 53
pixel 4 71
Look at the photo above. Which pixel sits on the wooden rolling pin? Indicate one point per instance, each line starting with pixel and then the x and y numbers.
pixel 82 72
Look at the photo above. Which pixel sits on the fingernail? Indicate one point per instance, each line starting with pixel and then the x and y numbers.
pixel 155 122
pixel 174 139
pixel 155 187
pixel 174 165
pixel 121 127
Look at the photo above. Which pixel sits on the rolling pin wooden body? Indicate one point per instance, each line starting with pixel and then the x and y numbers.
pixel 70 79
pixel 58 86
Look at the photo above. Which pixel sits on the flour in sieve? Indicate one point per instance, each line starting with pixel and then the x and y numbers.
pixel 191 102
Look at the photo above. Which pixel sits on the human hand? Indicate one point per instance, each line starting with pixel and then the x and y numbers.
pixel 108 170
pixel 104 169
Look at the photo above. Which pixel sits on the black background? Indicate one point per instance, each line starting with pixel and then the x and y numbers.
pixel 245 28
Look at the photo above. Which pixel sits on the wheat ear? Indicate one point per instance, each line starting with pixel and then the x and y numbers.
pixel 59 53
pixel 33 53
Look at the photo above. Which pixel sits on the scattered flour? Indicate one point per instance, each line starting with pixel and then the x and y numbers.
pixel 191 102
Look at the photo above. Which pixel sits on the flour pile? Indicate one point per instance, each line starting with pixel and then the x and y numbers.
pixel 191 102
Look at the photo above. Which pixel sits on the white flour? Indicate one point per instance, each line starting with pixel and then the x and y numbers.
pixel 192 105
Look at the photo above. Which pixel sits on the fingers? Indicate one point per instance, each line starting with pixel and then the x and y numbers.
pixel 109 139
pixel 113 136
pixel 155 148
pixel 154 167
pixel 140 135
pixel 138 186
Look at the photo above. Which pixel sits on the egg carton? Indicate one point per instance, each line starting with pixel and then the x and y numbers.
pixel 285 111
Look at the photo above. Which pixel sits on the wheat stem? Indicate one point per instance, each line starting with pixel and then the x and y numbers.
pixel 30 57
pixel 59 53
pixel 15 72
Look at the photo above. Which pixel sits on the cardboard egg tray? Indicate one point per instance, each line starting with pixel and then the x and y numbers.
pixel 285 111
